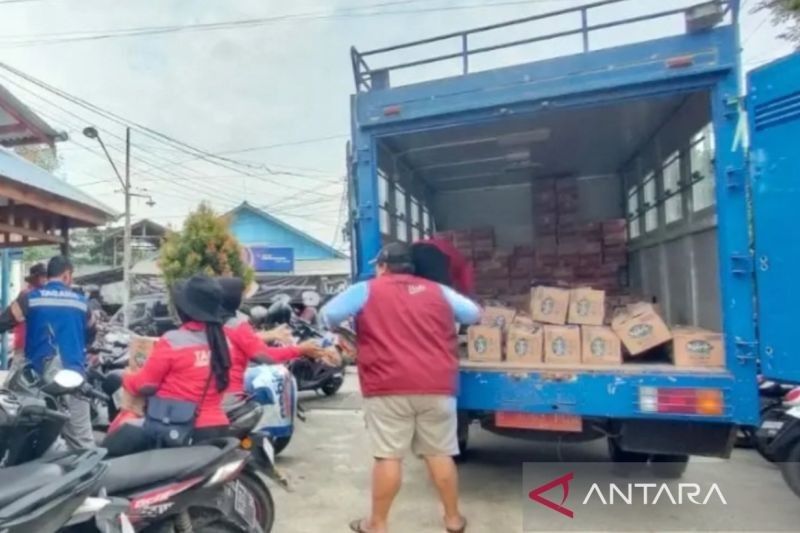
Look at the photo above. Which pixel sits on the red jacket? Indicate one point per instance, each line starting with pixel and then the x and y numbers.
pixel 407 341
pixel 178 369
pixel 461 271
pixel 246 346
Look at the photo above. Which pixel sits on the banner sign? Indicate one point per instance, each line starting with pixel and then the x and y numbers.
pixel 291 288
pixel 268 259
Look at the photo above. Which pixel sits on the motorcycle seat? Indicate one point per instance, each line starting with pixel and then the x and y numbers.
pixel 17 481
pixel 147 468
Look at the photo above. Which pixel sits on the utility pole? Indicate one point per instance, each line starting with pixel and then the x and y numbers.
pixel 92 133
pixel 126 244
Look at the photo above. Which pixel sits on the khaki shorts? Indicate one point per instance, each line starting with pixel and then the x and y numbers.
pixel 425 424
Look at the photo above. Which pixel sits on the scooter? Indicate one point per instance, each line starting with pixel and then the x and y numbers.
pixel 43 495
pixel 311 374
pixel 184 489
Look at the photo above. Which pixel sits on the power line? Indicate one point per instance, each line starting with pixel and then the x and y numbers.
pixel 71 37
pixel 156 135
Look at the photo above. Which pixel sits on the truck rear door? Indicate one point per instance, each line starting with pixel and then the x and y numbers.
pixel 774 120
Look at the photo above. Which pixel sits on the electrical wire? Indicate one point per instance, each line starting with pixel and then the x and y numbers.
pixel 17 41
pixel 152 134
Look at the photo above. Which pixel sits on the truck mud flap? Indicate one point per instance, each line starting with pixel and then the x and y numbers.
pixel 676 437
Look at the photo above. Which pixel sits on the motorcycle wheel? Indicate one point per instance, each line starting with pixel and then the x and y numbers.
pixel 332 387
pixel 265 506
pixel 280 443
pixel 790 469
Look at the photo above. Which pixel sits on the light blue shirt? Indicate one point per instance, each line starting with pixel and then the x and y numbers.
pixel 350 302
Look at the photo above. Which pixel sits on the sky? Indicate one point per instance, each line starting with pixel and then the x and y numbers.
pixel 271 97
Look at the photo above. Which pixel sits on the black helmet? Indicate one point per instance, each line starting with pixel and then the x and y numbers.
pixel 279 313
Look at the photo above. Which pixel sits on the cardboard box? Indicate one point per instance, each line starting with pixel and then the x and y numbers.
pixel 485 343
pixel 587 306
pixel 600 346
pixel 696 347
pixel 549 304
pixel 562 344
pixel 525 343
pixel 139 350
pixel 640 328
pixel 500 317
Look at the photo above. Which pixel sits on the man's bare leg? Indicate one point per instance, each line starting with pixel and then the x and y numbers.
pixel 444 475
pixel 387 475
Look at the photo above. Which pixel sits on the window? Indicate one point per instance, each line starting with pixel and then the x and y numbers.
pixel 633 212
pixel 701 155
pixel 400 212
pixel 651 210
pixel 673 206
pixel 426 221
pixel 415 226
pixel 383 198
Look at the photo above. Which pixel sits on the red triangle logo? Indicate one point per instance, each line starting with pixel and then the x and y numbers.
pixel 563 482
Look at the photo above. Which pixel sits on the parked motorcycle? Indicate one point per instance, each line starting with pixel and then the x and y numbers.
pixel 210 486
pixel 771 399
pixel 311 374
pixel 43 495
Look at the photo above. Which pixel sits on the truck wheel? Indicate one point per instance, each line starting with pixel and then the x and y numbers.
pixel 669 466
pixel 463 436
pixel 790 469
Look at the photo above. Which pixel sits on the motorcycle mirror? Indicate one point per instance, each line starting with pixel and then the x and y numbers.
pixel 64 381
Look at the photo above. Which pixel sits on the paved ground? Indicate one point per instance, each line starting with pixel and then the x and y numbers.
pixel 328 464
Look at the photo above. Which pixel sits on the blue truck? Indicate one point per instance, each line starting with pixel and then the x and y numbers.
pixel 659 131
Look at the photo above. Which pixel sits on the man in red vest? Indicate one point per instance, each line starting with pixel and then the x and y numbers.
pixel 408 369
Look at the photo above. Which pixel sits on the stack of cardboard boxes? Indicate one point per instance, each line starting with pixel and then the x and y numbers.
pixel 572 327
pixel 593 254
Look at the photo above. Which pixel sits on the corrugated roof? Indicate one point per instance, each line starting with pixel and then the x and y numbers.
pixel 22 171
pixel 19 125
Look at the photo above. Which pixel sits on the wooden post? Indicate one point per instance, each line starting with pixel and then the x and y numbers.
pixel 65 236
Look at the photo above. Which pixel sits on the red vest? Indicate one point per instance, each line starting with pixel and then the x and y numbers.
pixel 406 336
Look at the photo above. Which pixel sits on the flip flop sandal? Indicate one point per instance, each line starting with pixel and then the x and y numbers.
pixel 357 526
pixel 462 529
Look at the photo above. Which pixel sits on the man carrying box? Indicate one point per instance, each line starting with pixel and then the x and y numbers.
pixel 408 369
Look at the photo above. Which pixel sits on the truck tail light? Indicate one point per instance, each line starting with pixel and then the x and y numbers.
pixel 681 400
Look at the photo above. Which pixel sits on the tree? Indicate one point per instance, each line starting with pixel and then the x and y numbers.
pixel 784 13
pixel 204 245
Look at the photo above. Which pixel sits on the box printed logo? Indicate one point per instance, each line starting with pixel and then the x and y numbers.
pixel 640 331
pixel 598 347
pixel 481 344
pixel 583 307
pixel 699 347
pixel 547 306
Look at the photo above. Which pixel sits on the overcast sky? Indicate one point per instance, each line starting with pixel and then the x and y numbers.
pixel 241 91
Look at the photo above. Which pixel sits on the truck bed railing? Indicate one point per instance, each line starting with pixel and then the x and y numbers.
pixel 367 78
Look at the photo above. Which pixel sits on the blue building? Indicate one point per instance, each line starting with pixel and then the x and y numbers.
pixel 255 227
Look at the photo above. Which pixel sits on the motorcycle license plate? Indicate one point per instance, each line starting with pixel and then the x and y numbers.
pixel 244 503
pixel 771 425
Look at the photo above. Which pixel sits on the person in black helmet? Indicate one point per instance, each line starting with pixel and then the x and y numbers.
pixel 188 369
pixel 247 346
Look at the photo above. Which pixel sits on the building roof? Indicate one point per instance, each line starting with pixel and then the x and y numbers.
pixel 245 206
pixel 21 172
pixel 19 125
